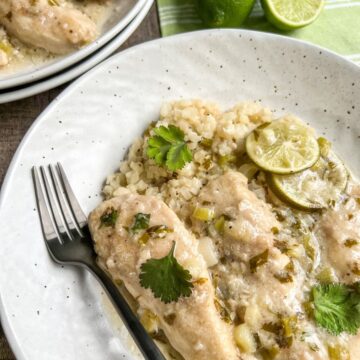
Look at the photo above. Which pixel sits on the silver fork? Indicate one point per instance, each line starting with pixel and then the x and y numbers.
pixel 68 241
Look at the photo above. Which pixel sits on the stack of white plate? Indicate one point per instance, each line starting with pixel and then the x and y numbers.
pixel 115 32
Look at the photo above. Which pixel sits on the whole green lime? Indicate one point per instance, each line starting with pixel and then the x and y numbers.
pixel 224 13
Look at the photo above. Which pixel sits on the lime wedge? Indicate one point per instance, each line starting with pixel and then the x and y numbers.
pixel 292 14
pixel 284 146
pixel 319 187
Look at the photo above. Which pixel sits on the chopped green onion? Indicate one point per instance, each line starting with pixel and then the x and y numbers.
pixel 309 248
pixel 284 330
pixel 203 214
pixel 220 224
pixel 283 277
pixel 159 229
pixel 294 251
pixel 269 353
pixel 169 319
pixel 356 269
pixel 289 324
pixel 206 143
pixel 109 217
pixel 275 230
pixel 350 243
pixel 143 239
pixel 226 160
pixel 224 313
pixel 207 163
pixel 141 222
pixel 259 260
pixel 326 276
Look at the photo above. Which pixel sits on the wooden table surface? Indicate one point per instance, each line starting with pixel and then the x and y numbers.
pixel 16 118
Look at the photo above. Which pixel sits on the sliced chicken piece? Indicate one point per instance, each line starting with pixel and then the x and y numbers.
pixel 58 29
pixel 196 330
pixel 338 233
pixel 249 230
pixel 248 233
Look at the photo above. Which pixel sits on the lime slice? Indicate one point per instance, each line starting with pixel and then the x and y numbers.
pixel 284 146
pixel 292 14
pixel 319 187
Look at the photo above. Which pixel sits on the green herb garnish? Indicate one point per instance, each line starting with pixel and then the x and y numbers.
pixel 351 242
pixel 259 260
pixel 109 217
pixel 141 222
pixel 284 330
pixel 166 278
pixel 337 307
pixel 168 147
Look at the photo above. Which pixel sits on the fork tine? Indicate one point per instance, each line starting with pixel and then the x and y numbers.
pixel 46 221
pixel 54 207
pixel 64 206
pixel 75 207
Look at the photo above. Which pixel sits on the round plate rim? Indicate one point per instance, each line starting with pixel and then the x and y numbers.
pixel 11 336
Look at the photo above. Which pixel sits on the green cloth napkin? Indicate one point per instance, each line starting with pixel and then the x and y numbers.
pixel 337 28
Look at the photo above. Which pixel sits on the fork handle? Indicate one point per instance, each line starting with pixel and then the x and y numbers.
pixel 145 343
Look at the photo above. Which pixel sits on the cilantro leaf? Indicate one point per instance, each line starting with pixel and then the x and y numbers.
pixel 141 222
pixel 337 307
pixel 166 278
pixel 168 147
pixel 109 217
pixel 178 154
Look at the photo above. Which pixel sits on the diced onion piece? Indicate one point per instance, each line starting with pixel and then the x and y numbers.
pixel 244 339
pixel 194 266
pixel 253 316
pixel 203 213
pixel 207 250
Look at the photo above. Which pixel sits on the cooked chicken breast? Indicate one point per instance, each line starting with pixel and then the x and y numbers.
pixel 248 231
pixel 196 330
pixel 338 233
pixel 58 29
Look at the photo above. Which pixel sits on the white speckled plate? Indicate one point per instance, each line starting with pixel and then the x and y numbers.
pixel 77 69
pixel 125 11
pixel 54 313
